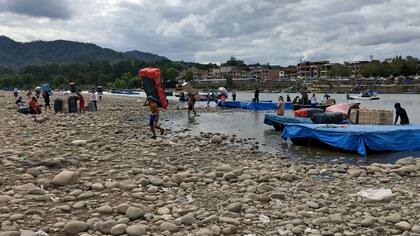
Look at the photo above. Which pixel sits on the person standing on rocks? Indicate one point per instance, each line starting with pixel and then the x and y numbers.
pixel 94 99
pixel 81 102
pixel 46 100
pixel 15 92
pixel 154 117
pixel 29 94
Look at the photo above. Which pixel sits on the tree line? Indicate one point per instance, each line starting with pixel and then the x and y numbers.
pixel 396 66
pixel 122 74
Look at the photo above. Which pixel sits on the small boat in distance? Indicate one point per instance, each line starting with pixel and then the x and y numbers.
pixel 125 91
pixel 364 96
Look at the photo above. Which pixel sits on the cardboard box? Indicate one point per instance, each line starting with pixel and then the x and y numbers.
pixel 372 117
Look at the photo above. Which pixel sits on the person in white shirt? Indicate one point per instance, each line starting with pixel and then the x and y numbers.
pixel 15 92
pixel 60 95
pixel 94 98
pixel 313 101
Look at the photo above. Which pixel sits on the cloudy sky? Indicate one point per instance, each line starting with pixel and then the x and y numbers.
pixel 265 31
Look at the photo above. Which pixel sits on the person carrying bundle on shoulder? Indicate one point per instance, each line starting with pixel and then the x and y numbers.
pixel 154 117
pixel 46 96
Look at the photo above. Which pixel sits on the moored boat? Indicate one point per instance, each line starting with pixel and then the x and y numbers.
pixel 364 96
pixel 256 106
pixel 356 138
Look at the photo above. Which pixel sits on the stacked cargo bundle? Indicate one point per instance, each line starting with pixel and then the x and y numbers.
pixel 371 117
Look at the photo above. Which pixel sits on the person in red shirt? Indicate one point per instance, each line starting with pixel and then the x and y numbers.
pixel 34 107
pixel 81 102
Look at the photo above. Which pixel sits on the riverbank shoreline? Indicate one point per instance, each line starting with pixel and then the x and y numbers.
pixel 316 86
pixel 99 173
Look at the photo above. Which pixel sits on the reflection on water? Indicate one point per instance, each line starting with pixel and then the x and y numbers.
pixel 411 102
pixel 249 125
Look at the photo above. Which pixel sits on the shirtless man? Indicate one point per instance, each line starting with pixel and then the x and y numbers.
pixel 154 117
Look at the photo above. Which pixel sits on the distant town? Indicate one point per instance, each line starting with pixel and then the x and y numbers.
pixel 237 70
pixel 394 75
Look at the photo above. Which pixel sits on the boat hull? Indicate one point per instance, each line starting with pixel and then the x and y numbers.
pixel 363 98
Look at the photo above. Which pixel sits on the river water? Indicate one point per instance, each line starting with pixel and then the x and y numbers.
pixel 250 125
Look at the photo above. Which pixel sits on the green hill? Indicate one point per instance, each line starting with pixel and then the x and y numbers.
pixel 16 54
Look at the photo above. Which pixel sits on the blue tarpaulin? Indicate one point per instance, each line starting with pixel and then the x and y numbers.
pixel 288 106
pixel 258 106
pixel 46 88
pixel 278 122
pixel 360 138
pixel 272 119
pixel 232 104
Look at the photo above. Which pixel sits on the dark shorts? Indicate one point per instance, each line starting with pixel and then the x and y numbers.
pixel 153 119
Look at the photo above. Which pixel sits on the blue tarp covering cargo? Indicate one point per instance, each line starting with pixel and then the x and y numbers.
pixel 257 106
pixel 46 88
pixel 360 138
pixel 232 104
pixel 278 121
pixel 288 106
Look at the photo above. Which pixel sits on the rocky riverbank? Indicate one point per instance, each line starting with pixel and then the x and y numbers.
pixel 101 174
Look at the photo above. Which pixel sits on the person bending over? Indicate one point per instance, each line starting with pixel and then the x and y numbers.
pixel 402 114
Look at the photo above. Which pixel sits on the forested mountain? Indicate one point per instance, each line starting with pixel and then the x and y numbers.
pixel 16 55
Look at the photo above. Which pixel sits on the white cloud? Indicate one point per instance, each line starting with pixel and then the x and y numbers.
pixel 274 31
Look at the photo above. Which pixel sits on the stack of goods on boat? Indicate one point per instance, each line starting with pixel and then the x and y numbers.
pixel 335 114
pixel 371 117
pixel 368 130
